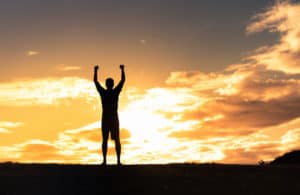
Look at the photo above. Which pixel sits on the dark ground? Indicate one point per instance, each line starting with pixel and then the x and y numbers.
pixel 184 179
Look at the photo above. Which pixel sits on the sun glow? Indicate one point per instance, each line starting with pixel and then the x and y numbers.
pixel 143 125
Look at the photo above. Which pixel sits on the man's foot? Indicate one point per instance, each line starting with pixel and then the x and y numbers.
pixel 103 164
pixel 119 164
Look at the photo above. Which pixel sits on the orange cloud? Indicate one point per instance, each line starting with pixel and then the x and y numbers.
pixel 290 140
pixel 32 151
pixel 80 145
pixel 258 93
pixel 46 91
pixel 282 18
pixel 36 150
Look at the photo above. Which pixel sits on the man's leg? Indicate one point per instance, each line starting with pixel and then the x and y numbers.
pixel 104 146
pixel 118 149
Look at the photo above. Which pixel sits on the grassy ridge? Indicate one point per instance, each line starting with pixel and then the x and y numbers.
pixel 148 179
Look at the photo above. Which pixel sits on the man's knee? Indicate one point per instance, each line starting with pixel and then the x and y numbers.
pixel 104 137
pixel 117 142
pixel 104 142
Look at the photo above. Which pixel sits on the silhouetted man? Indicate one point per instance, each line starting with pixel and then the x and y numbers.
pixel 110 119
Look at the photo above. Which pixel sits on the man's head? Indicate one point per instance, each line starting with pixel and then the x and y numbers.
pixel 109 83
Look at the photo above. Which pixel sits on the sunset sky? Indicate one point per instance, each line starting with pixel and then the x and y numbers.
pixel 207 81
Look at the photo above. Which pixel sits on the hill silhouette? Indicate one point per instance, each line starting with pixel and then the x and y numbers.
pixel 288 159
pixel 148 179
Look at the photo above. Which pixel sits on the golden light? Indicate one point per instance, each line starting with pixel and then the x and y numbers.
pixel 143 125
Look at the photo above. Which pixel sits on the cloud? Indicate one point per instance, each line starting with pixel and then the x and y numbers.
pixel 203 133
pixel 246 155
pixel 5 126
pixel 84 143
pixel 4 130
pixel 9 124
pixel 281 18
pixel 90 132
pixel 143 41
pixel 188 121
pixel 35 150
pixel 47 91
pixel 243 98
pixel 32 53
pixel 32 151
pixel 291 139
pixel 81 145
pixel 63 67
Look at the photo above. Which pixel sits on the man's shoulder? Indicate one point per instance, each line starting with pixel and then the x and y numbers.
pixel 117 91
pixel 103 92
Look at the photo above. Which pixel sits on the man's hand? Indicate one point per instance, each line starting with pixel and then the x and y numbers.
pixel 122 66
pixel 96 67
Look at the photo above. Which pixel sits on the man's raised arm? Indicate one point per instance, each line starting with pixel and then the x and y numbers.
pixel 96 73
pixel 98 86
pixel 121 83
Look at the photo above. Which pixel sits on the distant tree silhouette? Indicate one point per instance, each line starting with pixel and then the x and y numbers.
pixel 110 119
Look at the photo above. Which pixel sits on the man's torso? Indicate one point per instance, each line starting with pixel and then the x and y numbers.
pixel 109 100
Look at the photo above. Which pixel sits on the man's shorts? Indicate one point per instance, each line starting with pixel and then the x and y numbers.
pixel 111 125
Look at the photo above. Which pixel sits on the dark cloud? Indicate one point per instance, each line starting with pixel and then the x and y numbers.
pixel 261 99
pixel 239 113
